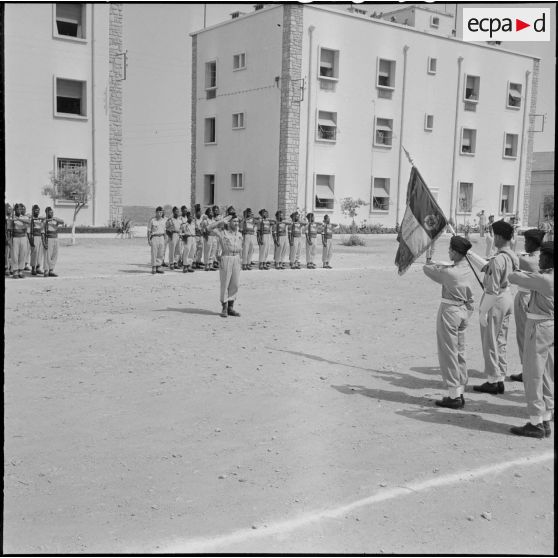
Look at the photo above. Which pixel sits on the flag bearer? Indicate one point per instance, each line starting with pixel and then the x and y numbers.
pixel 295 240
pixel 188 236
pixel 279 232
pixel 311 236
pixel 538 349
pixel 50 242
pixel 248 229
pixel 327 241
pixel 35 240
pixel 230 240
pixel 156 231
pixel 456 309
pixel 19 224
pixel 496 307
pixel 529 261
pixel 173 234
pixel 264 239
pixel 199 239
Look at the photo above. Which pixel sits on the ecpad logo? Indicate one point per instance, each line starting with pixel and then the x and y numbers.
pixel 506 24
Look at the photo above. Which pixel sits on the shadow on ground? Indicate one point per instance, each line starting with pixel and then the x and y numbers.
pixel 199 311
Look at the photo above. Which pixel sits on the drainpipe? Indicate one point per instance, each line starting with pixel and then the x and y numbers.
pixel 453 209
pixel 405 49
pixel 527 74
pixel 93 161
pixel 307 189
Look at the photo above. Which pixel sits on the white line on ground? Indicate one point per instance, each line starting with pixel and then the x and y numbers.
pixel 208 544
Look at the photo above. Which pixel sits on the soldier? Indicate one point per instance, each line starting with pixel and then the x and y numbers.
pixel 528 261
pixel 188 236
pixel 199 239
pixel 217 217
pixel 538 351
pixel 209 241
pixel 23 212
pixel 173 234
pixel 264 239
pixel 327 241
pixel 489 237
pixel 166 244
pixel 248 229
pixel 8 239
pixel 156 232
pixel 182 219
pixel 50 242
pixel 230 239
pixel 311 236
pixel 19 225
pixel 455 311
pixel 496 307
pixel 482 222
pixel 295 240
pixel 279 232
pixel 35 240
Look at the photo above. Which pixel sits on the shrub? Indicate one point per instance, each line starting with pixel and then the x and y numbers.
pixel 353 240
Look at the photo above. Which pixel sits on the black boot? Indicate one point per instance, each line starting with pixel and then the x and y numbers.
pixel 231 311
pixel 224 312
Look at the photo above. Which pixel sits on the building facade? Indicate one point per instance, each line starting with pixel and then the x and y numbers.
pixel 303 105
pixel 541 203
pixel 63 103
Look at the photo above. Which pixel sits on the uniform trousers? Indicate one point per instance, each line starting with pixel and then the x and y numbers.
pixel 450 335
pixel 310 250
pixel 264 248
pixel 198 257
pixel 494 338
pixel 327 251
pixel 538 368
pixel 174 247
pixel 157 250
pixel 8 254
pixel 281 249
pixel 520 303
pixel 20 245
pixel 295 249
pixel 188 250
pixel 209 249
pixel 36 251
pixel 50 254
pixel 229 274
pixel 247 248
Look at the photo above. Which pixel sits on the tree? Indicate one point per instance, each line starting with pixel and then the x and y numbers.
pixel 349 208
pixel 70 184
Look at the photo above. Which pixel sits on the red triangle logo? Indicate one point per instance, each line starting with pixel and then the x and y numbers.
pixel 519 25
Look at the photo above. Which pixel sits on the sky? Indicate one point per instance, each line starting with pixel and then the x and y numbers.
pixel 157 91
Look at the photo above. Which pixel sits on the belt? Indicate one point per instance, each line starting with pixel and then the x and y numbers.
pixel 52 235
pixel 16 234
pixel 523 290
pixel 249 232
pixel 452 302
pixel 541 317
pixel 232 254
pixel 157 235
pixel 312 235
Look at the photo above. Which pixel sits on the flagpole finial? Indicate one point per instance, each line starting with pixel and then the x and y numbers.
pixel 408 155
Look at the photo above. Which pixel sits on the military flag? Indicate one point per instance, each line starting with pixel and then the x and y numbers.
pixel 422 223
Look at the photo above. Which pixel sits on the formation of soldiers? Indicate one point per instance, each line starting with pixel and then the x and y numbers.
pixel 31 240
pixel 533 309
pixel 189 241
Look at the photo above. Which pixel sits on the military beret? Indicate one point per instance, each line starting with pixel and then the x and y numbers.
pixel 503 229
pixel 460 244
pixel 535 235
pixel 35 206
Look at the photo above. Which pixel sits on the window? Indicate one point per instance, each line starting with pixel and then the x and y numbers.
pixel 506 198
pixel 383 132
pixel 324 191
pixel 211 80
pixel 472 87
pixel 70 20
pixel 434 21
pixel 78 166
pixel 510 145
pixel 432 65
pixel 237 181
pixel 468 141
pixel 465 197
pixel 386 74
pixel 514 95
pixel 329 64
pixel 238 120
pixel 209 136
pixel 239 61
pixel 70 97
pixel 380 194
pixel 327 126
pixel 428 122
pixel 209 189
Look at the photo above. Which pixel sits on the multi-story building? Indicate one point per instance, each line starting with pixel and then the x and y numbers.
pixel 304 105
pixel 63 104
pixel 541 204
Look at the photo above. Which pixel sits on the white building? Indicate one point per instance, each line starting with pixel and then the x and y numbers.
pixel 303 105
pixel 63 105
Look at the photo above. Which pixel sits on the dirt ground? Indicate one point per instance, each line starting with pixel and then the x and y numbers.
pixel 138 420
